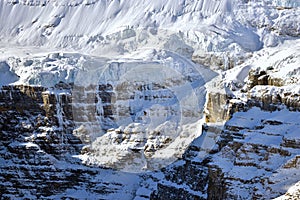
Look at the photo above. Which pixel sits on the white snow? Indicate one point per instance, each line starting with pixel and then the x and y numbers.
pixel 255 140
pixel 6 75
pixel 88 42
pixel 293 192
pixel 181 26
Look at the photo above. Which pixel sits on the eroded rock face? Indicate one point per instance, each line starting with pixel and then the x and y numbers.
pixel 37 134
pixel 30 145
pixel 216 107
pixel 37 147
pixel 250 160
pixel 272 98
pixel 181 182
pixel 244 148
pixel 256 151
pixel 21 98
pixel 275 84
pixel 220 107
pixel 264 87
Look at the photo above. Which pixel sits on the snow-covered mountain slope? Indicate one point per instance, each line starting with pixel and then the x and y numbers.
pixel 129 85
pixel 188 27
pixel 140 108
pixel 261 152
pixel 256 157
pixel 273 67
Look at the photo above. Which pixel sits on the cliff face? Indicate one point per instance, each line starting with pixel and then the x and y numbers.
pixel 37 148
pixel 42 128
pixel 126 108
pixel 32 143
pixel 255 158
pixel 38 139
pixel 251 160
pixel 271 92
pixel 257 151
pixel 263 88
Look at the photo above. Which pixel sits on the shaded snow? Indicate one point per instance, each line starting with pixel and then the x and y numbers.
pixel 6 75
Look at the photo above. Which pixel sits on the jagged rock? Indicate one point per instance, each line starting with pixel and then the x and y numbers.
pixel 30 142
pixel 21 98
pixel 216 107
pixel 248 162
pixel 36 153
pixel 180 182
pixel 52 100
pixel 273 98
pixel 171 192
pixel 216 61
pixel 262 77
pixel 249 152
pixel 220 107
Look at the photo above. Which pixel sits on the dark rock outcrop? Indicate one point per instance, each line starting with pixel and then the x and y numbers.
pixel 36 148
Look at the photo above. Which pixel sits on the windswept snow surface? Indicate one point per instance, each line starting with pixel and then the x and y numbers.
pixel 107 27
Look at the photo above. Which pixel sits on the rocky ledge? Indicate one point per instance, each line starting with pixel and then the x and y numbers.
pixel 250 160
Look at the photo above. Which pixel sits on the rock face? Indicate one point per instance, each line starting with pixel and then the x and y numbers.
pixel 38 139
pixel 246 158
pixel 37 145
pixel 254 159
pixel 270 92
pixel 127 117
pixel 30 146
pixel 257 150
pixel 272 98
pixel 261 77
pixel 264 87
pixel 220 107
pixel 251 161
pixel 140 107
pixel 22 98
pixel 216 106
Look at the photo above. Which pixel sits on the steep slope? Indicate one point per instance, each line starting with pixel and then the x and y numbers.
pixel 113 99
pixel 187 27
